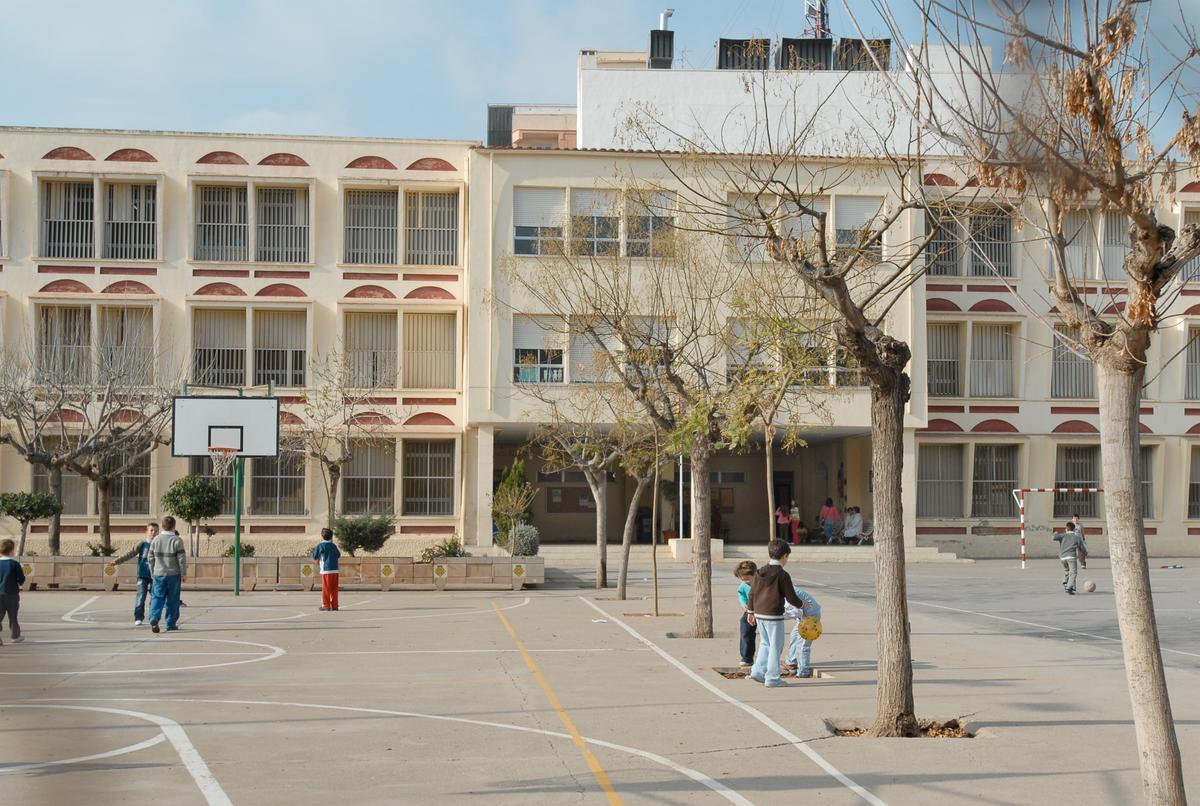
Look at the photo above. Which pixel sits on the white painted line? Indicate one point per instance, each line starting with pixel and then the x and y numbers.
pixel 213 794
pixel 461 651
pixel 356 604
pixel 158 738
pixel 695 775
pixel 443 614
pixel 774 726
pixel 68 615
pixel 164 641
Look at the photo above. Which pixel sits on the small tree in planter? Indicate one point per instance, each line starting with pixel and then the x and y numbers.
pixel 511 504
pixel 194 499
pixel 25 508
pixel 363 532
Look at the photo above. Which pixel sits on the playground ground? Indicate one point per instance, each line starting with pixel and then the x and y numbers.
pixel 564 695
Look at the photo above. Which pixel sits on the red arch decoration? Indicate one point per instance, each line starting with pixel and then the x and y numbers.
pixel 429 292
pixel 1075 427
pixel 373 418
pixel 372 162
pixel 1114 309
pixel 994 427
pixel 429 418
pixel 130 155
pixel 128 287
pixel 1195 429
pixel 1190 187
pixel 431 164
pixel 939 180
pixel 1192 311
pixel 67 153
pixel 66 415
pixel 283 158
pixel 287 418
pixel 992 306
pixel 221 158
pixel 280 290
pixel 65 287
pixel 943 426
pixel 370 292
pixel 939 304
pixel 220 290
pixel 127 416
pixel 1144 429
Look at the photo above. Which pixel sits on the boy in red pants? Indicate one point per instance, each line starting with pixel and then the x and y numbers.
pixel 326 553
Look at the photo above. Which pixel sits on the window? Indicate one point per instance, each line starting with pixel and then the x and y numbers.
pixel 651 226
pixel 1147 483
pixel 74 486
pixel 429 348
pixel 1191 271
pixel 431 228
pixel 1076 466
pixel 590 358
pixel 991 243
pixel 1079 236
pixel 277 484
pixel 371 349
pixel 595 223
pixel 371 225
pixel 742 352
pixel 943 363
pixel 943 255
pixel 993 482
pixel 279 352
pixel 429 477
pixel 649 349
pixel 282 225
pixel 562 476
pixel 749 236
pixel 221 230
pixel 1071 374
pixel 727 477
pixel 130 222
pixel 126 348
pixel 1116 244
pixel 1194 484
pixel 369 483
pixel 855 218
pixel 219 347
pixel 202 466
pixel 992 361
pixel 1192 363
pixel 65 344
pixel 940 481
pixel 130 490
pixel 534 359
pixel 68 219
pixel 538 216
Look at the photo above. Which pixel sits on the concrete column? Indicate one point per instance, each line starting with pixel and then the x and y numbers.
pixel 909 488
pixel 479 483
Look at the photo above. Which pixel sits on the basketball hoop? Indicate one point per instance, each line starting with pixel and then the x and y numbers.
pixel 222 459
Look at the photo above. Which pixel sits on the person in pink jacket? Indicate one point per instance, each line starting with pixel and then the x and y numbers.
pixel 829 519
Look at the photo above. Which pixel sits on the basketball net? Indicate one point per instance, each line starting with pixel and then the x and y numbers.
pixel 222 460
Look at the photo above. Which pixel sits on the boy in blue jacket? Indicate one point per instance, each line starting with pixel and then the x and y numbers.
pixel 11 580
pixel 327 555
pixel 799 656
pixel 144 578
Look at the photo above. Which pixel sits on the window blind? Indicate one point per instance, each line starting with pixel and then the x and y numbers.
pixel 429 347
pixel 539 207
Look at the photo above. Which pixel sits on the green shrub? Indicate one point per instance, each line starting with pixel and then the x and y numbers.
pixel 247 550
pixel 101 550
pixel 193 499
pixel 447 548
pixel 527 541
pixel 363 532
pixel 509 490
pixel 25 508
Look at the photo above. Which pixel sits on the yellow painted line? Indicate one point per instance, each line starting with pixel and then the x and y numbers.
pixel 592 762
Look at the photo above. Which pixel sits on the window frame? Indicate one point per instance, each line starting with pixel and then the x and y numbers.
pixel 1089 505
pixel 252 184
pixel 1068 361
pixel 543 363
pixel 452 479
pixel 372 479
pixel 402 347
pixel 278 479
pixel 250 349
pixel 545 240
pixel 963 218
pixel 966 322
pixel 345 188
pixel 390 309
pixel 964 484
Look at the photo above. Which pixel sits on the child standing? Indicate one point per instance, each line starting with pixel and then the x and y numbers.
pixel 327 554
pixel 800 649
pixel 1070 549
pixel 144 579
pixel 746 629
pixel 11 580
pixel 770 588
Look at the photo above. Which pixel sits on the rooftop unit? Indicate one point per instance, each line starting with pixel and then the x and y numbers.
pixel 863 54
pixel 804 54
pixel 743 54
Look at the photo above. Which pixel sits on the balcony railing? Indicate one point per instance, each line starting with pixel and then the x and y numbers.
pixel 943 377
pixel 281 367
pixel 371 369
pixel 225 243
pixel 282 243
pixel 220 366
pixel 67 237
pixel 65 364
pixel 130 240
pixel 833 376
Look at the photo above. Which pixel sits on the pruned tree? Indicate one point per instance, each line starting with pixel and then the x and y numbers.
pixel 640 458
pixel 510 503
pixel 25 508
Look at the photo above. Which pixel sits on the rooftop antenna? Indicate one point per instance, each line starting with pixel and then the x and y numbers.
pixel 816 12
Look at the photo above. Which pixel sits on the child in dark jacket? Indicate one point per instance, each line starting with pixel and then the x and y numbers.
pixel 12 577
pixel 327 555
pixel 769 590
pixel 746 630
pixel 144 578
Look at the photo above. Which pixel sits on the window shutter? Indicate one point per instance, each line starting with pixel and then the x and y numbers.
pixel 594 203
pixel 939 481
pixel 992 361
pixel 943 362
pixel 533 332
pixel 1116 244
pixel 1080 242
pixel 220 329
pixel 856 212
pixel 429 351
pixel 538 207
pixel 588 359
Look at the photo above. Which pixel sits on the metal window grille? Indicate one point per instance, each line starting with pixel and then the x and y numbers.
pixel 280 356
pixel 1194 485
pixel 650 226
pixel 126 348
pixel 130 491
pixel 431 228
pixel 1071 374
pixel 282 225
pixel 940 481
pixel 1076 466
pixel 74 486
pixel 943 255
pixel 1079 234
pixel 429 348
pixel 992 361
pixel 371 349
pixel 372 225
pixel 1191 271
pixel 219 347
pixel 1116 244
pixel 595 223
pixel 538 217
pixel 429 477
pixel 944 363
pixel 369 483
pixel 855 218
pixel 202 466
pixel 1147 482
pixel 130 222
pixel 1192 363
pixel 68 219
pixel 535 359
pixel 222 233
pixel 991 244
pixel 993 482
pixel 277 484
pixel 65 344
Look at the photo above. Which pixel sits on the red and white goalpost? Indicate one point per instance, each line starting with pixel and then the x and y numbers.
pixel 1019 495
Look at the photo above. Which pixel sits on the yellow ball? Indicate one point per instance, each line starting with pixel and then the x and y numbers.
pixel 810 628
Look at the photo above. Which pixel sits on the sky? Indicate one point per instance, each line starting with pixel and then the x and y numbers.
pixel 352 67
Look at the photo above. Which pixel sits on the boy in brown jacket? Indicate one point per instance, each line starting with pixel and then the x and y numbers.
pixel 769 589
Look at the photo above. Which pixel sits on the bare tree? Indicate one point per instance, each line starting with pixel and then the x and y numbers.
pixel 640 458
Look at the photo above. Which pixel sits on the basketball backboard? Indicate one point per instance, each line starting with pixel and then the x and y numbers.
pixel 249 425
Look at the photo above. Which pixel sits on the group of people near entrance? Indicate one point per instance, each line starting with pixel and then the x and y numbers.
pixel 789 525
pixel 768 599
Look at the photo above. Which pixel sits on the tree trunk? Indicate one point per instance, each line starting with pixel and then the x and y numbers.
pixel 598 483
pixel 331 494
pixel 627 536
pixel 104 502
pixel 54 531
pixel 24 532
pixel 894 708
pixel 770 449
pixel 1162 771
pixel 702 619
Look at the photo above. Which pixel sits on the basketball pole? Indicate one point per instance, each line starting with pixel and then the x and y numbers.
pixel 237 526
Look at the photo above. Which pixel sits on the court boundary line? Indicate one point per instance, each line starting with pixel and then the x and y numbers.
pixel 157 738
pixel 276 652
pixel 68 615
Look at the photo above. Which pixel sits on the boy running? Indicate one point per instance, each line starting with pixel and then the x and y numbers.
pixel 1070 549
